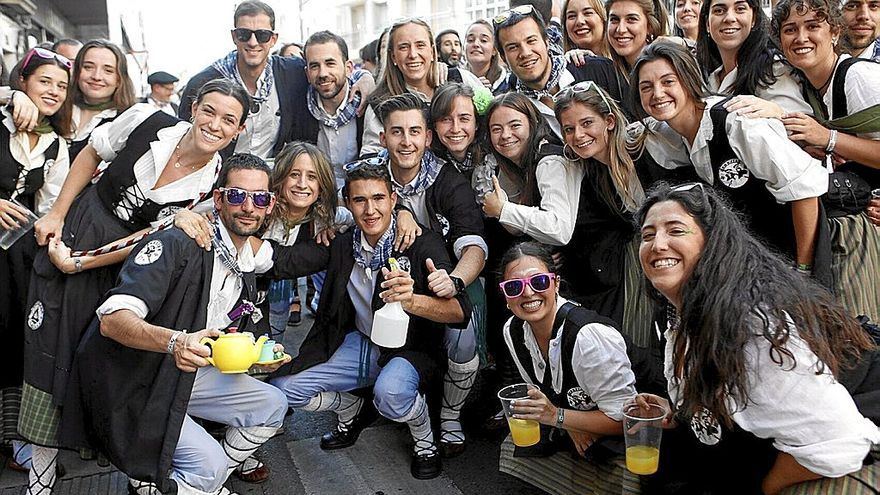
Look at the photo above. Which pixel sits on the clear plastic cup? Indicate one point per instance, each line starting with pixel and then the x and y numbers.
pixel 643 429
pixel 8 237
pixel 525 432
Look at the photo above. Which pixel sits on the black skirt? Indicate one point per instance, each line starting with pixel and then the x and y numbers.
pixel 15 273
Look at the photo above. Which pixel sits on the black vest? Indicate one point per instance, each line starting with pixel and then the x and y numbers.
pixel 75 147
pixel 119 176
pixel 767 219
pixel 10 171
pixel 838 100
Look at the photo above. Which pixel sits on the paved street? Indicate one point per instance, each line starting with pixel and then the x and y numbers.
pixel 377 465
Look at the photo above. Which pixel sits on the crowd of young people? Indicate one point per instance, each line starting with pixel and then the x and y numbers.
pixel 704 202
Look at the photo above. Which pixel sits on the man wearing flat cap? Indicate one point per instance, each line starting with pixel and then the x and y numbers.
pixel 161 89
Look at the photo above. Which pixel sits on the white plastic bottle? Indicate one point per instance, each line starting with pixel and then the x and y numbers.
pixel 390 322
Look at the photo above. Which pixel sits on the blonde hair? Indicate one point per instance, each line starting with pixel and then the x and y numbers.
pixel 603 16
pixel 621 168
pixel 392 82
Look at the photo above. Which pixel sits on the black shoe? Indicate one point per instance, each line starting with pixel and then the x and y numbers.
pixel 448 450
pixel 343 437
pixel 295 318
pixel 426 466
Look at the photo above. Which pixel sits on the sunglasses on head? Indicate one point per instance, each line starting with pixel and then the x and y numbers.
pixel 521 11
pixel 48 55
pixel 366 162
pixel 244 34
pixel 583 87
pixel 514 287
pixel 236 196
pixel 688 186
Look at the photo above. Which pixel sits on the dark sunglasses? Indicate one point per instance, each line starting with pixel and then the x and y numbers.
pixel 244 34
pixel 236 196
pixel 48 55
pixel 514 287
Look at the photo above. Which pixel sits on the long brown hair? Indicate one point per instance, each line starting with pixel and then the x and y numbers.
pixel 61 120
pixel 658 25
pixel 393 83
pixel 324 209
pixel 495 61
pixel 124 95
pixel 603 16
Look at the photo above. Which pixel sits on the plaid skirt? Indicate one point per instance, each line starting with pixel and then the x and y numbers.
pixel 855 264
pixel 39 419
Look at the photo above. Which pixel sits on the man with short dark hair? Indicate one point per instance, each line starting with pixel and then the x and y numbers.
pixel 329 72
pixel 338 356
pixel 141 372
pixel 441 199
pixel 277 85
pixel 521 39
pixel 861 30
pixel 448 44
pixel 161 90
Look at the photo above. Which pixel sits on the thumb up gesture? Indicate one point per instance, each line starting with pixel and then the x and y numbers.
pixel 438 281
pixel 494 200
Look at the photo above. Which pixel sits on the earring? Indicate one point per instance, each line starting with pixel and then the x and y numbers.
pixel 565 149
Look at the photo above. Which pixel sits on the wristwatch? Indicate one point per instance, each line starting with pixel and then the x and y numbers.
pixel 560 417
pixel 458 284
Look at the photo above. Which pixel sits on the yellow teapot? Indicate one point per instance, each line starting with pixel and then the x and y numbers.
pixel 234 352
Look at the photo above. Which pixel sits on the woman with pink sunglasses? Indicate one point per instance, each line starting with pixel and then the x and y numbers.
pixel 577 359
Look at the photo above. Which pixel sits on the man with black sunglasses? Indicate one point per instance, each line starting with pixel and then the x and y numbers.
pixel 522 40
pixel 277 85
pixel 140 374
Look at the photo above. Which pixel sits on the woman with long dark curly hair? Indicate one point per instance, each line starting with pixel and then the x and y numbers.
pixel 756 355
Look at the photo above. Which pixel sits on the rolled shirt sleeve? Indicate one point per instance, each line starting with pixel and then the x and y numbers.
pixel 119 302
pixel 602 368
pixel 109 138
pixel 810 416
pixel 764 147
pixel 559 183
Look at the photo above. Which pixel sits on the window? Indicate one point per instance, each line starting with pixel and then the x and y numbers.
pixel 484 9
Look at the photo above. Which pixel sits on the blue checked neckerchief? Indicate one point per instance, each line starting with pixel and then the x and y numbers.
pixel 554 40
pixel 382 250
pixel 557 65
pixel 222 250
pixel 428 171
pixel 227 67
pixel 344 115
pixel 876 55
pixel 463 166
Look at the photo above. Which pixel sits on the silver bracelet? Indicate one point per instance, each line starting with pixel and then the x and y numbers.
pixel 173 340
pixel 77 264
pixel 832 141
pixel 560 417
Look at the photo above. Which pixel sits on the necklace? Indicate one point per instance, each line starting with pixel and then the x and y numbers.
pixel 177 158
pixel 821 89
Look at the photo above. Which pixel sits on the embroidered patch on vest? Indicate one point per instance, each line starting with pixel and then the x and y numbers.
pixel 733 173
pixel 444 224
pixel 35 316
pixel 403 263
pixel 705 427
pixel 579 399
pixel 168 211
pixel 149 253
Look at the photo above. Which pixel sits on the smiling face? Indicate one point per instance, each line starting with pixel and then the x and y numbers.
pixel 301 187
pixel 627 30
pixel 526 52
pixel 458 129
pixel 671 246
pixel 47 88
pixel 98 77
pixel 412 53
pixel 586 131
pixel 531 306
pixel 807 41
pixel 251 53
pixel 406 137
pixel 730 23
pixel 479 44
pixel 371 204
pixel 326 70
pixel 215 121
pixel 661 93
pixel 509 133
pixel 862 21
pixel 687 16
pixel 244 219
pixel 583 25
